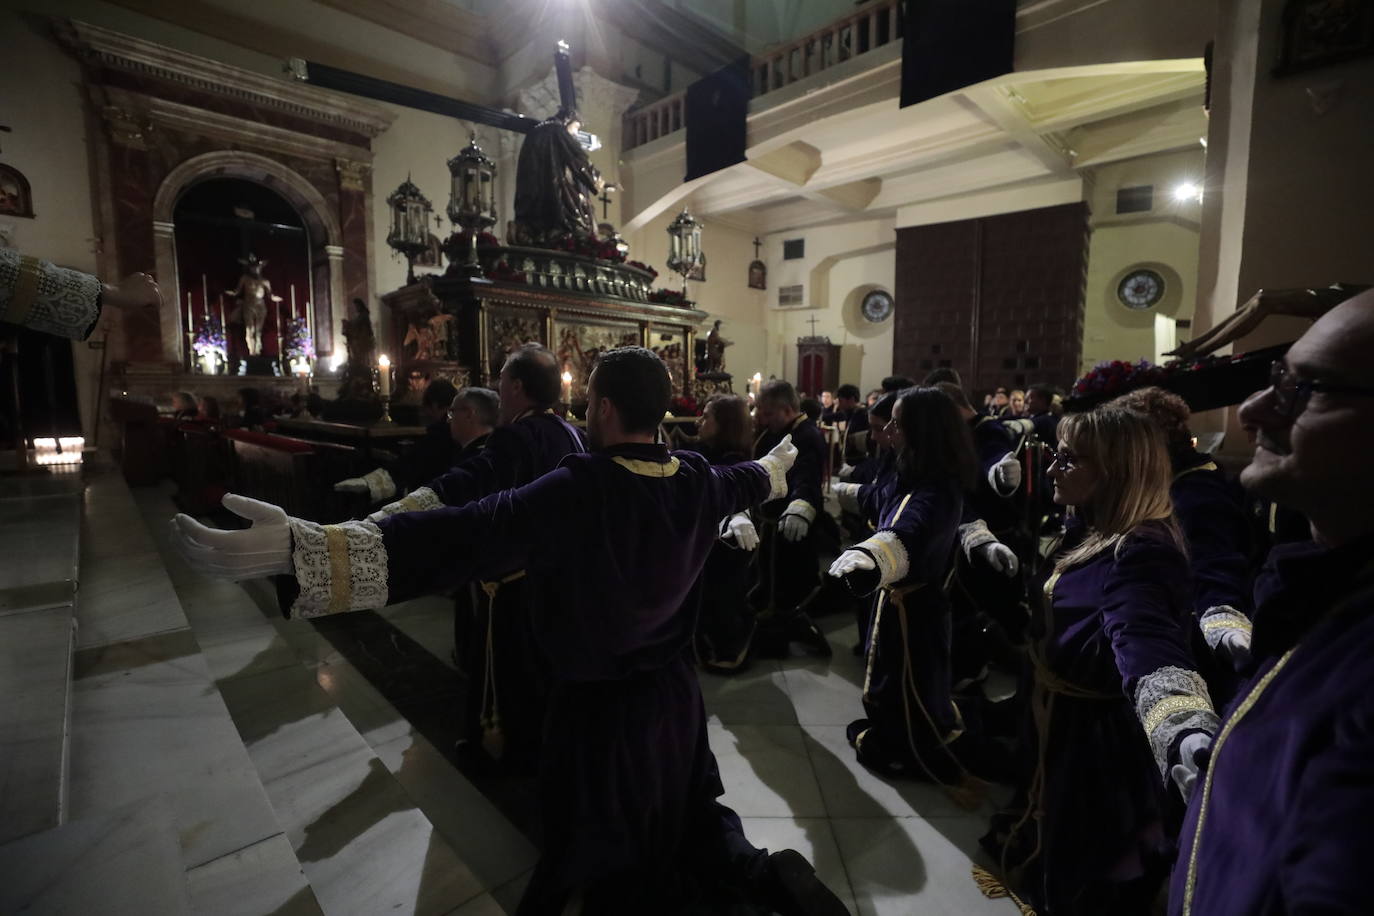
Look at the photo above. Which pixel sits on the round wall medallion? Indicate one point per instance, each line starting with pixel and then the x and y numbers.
pixel 1140 289
pixel 877 306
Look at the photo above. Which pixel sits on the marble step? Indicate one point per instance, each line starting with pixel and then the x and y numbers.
pixel 35 683
pixel 40 541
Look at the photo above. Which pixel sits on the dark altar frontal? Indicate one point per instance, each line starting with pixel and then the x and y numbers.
pixel 461 328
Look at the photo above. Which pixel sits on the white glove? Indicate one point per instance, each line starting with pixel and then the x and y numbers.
pixel 1006 474
pixel 851 561
pixel 1235 645
pixel 1184 773
pixel 377 484
pixel 793 526
pixel 777 463
pixel 743 531
pixel 999 556
pixel 262 550
pixel 845 471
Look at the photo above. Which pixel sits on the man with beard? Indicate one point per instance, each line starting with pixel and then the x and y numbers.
pixel 628 784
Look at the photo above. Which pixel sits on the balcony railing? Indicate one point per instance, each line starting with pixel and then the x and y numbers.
pixel 876 25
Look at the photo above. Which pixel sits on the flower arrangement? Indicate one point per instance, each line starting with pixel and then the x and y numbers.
pixel 1117 376
pixel 683 406
pixel 665 296
pixel 297 343
pixel 210 339
pixel 590 247
pixel 502 272
pixel 640 265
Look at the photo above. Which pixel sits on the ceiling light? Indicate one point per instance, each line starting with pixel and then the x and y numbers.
pixel 1187 191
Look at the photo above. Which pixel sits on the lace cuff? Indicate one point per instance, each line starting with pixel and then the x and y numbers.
pixel 1218 621
pixel 777 477
pixel 801 507
pixel 55 300
pixel 973 535
pixel 421 500
pixel 380 485
pixel 1171 703
pixel 887 551
pixel 338 567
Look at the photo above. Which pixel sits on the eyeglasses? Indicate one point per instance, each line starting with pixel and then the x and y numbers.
pixel 1291 393
pixel 1063 459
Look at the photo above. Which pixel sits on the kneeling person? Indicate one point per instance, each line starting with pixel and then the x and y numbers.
pixel 628 784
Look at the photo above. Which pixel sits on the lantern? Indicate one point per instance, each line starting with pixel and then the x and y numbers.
pixel 410 212
pixel 684 246
pixel 472 197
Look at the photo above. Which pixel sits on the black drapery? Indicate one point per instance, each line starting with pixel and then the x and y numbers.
pixel 949 44
pixel 715 111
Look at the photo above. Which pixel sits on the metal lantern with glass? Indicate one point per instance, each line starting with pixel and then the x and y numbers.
pixel 472 200
pixel 410 212
pixel 684 247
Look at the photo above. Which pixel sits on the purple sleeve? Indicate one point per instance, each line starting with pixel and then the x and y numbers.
pixel 1329 842
pixel 435 550
pixel 1143 609
pixel 804 480
pixel 736 487
pixel 502 464
pixel 1218 534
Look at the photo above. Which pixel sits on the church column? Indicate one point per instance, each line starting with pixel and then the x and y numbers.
pixel 175 347
pixel 338 295
pixel 355 179
pixel 132 170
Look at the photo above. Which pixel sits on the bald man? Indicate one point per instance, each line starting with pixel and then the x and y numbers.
pixel 1281 822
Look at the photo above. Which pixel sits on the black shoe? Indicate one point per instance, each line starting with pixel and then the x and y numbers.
pixel 796 890
pixel 803 629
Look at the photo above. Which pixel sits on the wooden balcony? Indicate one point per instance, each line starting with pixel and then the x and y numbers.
pixel 872 27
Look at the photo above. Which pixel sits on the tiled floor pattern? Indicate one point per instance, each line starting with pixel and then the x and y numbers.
pixel 293 786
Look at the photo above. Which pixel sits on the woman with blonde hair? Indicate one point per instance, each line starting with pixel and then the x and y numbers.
pixel 1118 711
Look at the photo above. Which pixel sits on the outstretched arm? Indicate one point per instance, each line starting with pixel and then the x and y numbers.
pixel 67 303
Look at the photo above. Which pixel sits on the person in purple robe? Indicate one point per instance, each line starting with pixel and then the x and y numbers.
pixel 508 674
pixel 1116 700
pixel 1211 511
pixel 628 786
pixel 913 725
pixel 1280 824
pixel 725 619
pixel 786 565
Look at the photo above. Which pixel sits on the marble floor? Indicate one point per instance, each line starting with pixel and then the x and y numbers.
pixel 252 763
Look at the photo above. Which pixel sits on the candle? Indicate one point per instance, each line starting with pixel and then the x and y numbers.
pixel 384 374
pixel 756 384
pixel 567 387
pixel 205 294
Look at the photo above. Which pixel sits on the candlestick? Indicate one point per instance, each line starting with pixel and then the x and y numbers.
pixel 384 374
pixel 190 328
pixel 205 294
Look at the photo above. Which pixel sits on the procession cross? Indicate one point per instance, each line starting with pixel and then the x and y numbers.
pixel 813 323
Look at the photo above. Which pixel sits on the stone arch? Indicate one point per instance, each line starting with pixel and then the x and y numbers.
pixel 323 231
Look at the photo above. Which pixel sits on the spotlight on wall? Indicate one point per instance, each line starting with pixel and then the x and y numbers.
pixel 1188 191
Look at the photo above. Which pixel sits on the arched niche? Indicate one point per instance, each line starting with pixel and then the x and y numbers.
pixel 322 226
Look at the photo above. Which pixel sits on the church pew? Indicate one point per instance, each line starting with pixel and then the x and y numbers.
pixel 142 451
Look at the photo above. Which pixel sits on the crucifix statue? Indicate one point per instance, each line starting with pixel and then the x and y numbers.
pixel 252 294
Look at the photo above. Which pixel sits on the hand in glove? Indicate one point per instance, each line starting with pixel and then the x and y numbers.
pixel 377 484
pixel 740 528
pixel 999 556
pixel 1006 474
pixel 793 526
pixel 846 469
pixel 262 550
pixel 1235 646
pixel 777 463
pixel 851 561
pixel 1193 753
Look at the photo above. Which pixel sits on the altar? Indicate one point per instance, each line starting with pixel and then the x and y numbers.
pixel 578 307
